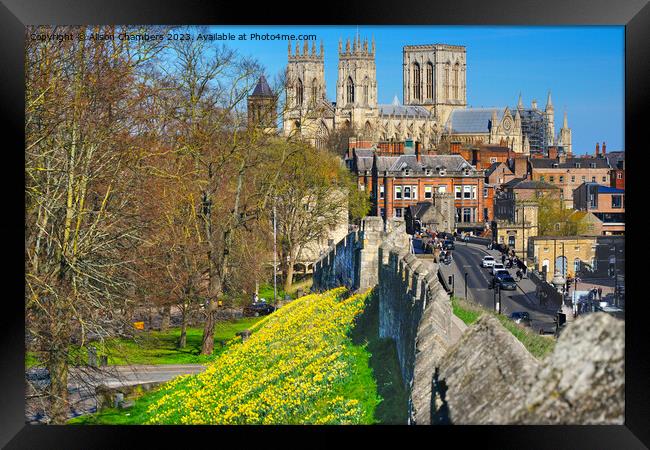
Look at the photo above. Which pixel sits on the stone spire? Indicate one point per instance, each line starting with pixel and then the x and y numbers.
pixel 340 45
pixel 289 49
pixel 494 120
pixel 517 119
pixel 565 124
pixel 373 44
pixel 549 102
pixel 305 48
pixel 313 48
pixel 365 46
pixel 526 147
pixel 322 48
pixel 297 48
pixel 347 46
pixel 520 103
pixel 534 104
pixel 395 101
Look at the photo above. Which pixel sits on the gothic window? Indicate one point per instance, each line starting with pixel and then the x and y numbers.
pixel 299 92
pixel 350 90
pixel 314 91
pixel 429 81
pixel 365 91
pixel 456 80
pixel 417 93
pixel 447 79
pixel 367 130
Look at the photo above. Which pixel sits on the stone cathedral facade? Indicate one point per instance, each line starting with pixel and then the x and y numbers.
pixel 434 96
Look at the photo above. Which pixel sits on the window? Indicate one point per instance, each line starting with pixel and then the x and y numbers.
pixel 467 191
pixel 561 179
pixel 573 178
pixel 442 189
pixel 577 165
pixel 456 81
pixel 604 179
pixel 350 90
pixel 511 240
pixel 593 179
pixel 398 192
pixel 485 215
pixel 398 212
pixel 493 159
pixel 299 92
pixel 381 191
pixel 584 178
pixel 551 178
pixel 407 192
pixel 407 172
pixel 616 201
pixel 428 191
pixel 541 178
pixel 592 201
pixel 417 93
pixel 458 191
pixel 429 81
pixel 427 172
pixel 485 192
pixel 467 214
pixel 592 165
pixel 619 175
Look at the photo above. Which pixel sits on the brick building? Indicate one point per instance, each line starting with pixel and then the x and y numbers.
pixel 569 173
pixel 567 255
pixel 617 163
pixel 604 202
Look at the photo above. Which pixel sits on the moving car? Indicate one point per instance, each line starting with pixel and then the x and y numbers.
pixel 497 266
pixel 258 309
pixel 506 282
pixel 497 277
pixel 488 261
pixel 521 317
pixel 448 245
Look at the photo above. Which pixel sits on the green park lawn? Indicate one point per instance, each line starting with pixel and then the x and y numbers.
pixel 157 347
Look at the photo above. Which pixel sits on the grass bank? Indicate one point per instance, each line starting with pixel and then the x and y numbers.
pixel 538 345
pixel 157 347
pixel 300 366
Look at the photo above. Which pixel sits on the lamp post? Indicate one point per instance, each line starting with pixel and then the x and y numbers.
pixel 465 285
pixel 275 258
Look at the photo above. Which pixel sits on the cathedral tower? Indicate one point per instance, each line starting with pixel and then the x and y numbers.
pixel 434 76
pixel 305 85
pixel 262 107
pixel 356 88
pixel 550 121
pixel 564 140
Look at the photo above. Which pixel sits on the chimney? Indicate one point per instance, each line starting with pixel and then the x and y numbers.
pixel 603 149
pixel 418 150
pixel 521 166
pixel 552 152
pixel 597 149
pixel 454 147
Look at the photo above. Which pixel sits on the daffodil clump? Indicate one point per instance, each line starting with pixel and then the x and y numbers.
pixel 296 368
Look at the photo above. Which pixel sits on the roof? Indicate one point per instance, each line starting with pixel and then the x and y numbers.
pixel 609 190
pixel 262 89
pixel 494 166
pixel 570 163
pixel 453 163
pixel 403 110
pixel 474 120
pixel 615 157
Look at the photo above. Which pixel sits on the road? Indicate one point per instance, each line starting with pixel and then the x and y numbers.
pixel 466 258
pixel 82 382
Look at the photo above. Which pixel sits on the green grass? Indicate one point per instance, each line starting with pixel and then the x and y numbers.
pixel 266 290
pixel 157 347
pixel 113 416
pixel 392 410
pixel 538 346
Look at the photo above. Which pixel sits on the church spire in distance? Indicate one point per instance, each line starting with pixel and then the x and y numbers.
pixel 549 102
pixel 520 103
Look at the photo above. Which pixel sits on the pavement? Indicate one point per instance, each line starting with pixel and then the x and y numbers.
pixel 83 381
pixel 466 258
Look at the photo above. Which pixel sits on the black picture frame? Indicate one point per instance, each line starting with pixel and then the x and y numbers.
pixel 15 14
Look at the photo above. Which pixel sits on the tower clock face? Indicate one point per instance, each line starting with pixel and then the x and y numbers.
pixel 507 124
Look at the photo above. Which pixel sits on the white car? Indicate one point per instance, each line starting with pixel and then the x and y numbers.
pixel 496 267
pixel 488 261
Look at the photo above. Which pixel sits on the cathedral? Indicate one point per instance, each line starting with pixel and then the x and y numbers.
pixel 434 108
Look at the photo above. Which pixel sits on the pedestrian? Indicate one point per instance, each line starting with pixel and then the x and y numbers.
pixel 503 259
pixel 600 293
pixel 518 273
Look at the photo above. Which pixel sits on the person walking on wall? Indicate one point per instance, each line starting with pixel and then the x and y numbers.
pixel 600 293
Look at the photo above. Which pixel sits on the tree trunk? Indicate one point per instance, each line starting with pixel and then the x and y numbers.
pixel 166 318
pixel 288 280
pixel 182 341
pixel 58 389
pixel 207 343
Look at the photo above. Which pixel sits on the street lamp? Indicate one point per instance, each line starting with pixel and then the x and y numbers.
pixel 466 286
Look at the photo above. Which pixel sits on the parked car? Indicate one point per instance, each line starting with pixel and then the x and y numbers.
pixel 488 261
pixel 448 245
pixel 497 266
pixel 258 309
pixel 521 317
pixel 506 282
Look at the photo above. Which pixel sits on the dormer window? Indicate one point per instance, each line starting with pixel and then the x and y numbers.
pixel 577 165
pixel 592 165
pixel 427 172
pixel 555 165
pixel 407 172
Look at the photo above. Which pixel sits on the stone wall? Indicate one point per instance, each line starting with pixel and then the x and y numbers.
pixel 352 262
pixel 415 311
pixel 488 377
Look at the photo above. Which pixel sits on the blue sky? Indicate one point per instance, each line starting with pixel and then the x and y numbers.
pixel 582 66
